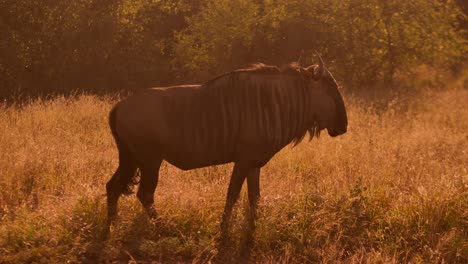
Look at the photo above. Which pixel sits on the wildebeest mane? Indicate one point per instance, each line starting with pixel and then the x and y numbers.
pixel 271 105
pixel 293 69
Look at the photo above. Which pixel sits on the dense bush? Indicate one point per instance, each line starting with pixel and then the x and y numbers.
pixel 52 47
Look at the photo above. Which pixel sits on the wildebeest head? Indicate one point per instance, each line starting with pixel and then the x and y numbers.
pixel 332 112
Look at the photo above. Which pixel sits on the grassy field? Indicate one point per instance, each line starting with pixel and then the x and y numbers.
pixel 394 189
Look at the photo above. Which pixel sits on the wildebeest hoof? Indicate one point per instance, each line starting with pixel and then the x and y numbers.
pixel 152 213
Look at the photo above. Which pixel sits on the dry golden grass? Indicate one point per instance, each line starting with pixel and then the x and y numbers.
pixel 393 189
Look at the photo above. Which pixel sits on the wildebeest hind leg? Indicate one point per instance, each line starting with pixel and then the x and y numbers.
pixel 119 182
pixel 148 183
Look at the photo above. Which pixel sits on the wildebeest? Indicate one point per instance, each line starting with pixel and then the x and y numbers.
pixel 245 116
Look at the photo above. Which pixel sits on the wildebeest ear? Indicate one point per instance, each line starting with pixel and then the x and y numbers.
pixel 312 70
pixel 307 73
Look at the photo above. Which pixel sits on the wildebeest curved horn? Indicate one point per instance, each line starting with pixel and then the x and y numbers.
pixel 320 70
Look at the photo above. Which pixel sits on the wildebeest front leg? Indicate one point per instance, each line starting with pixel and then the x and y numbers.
pixel 148 182
pixel 238 176
pixel 253 184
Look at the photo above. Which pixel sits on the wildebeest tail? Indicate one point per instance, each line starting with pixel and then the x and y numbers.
pixel 128 175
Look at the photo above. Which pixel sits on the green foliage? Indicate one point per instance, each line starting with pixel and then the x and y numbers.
pixel 367 42
pixel 217 38
pixel 99 46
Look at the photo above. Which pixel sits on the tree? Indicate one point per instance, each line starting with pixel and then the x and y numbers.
pixel 101 46
pixel 368 42
pixel 217 39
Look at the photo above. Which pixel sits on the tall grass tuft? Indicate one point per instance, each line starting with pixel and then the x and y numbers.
pixel 393 189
